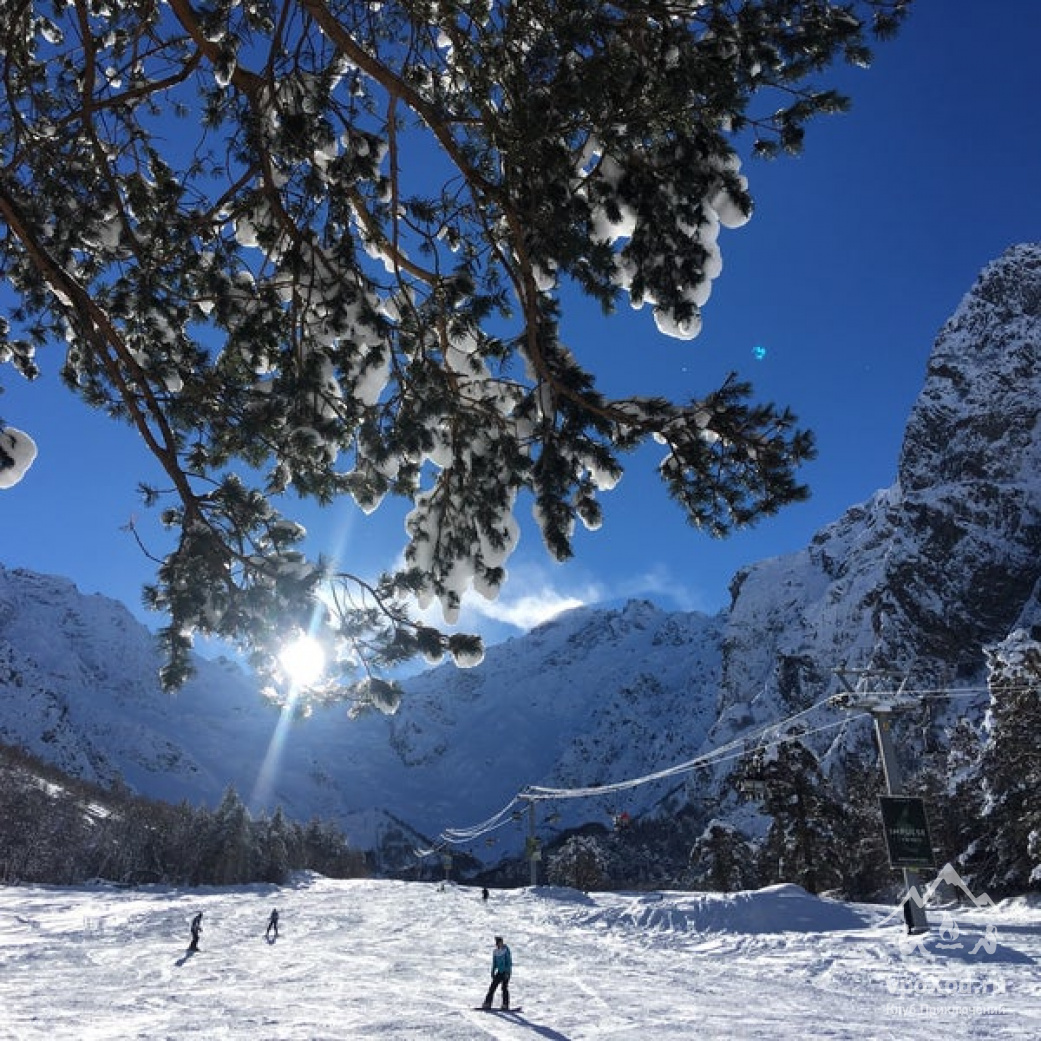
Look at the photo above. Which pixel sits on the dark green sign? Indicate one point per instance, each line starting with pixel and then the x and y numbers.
pixel 907 832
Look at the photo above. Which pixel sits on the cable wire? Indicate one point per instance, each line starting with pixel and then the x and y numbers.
pixel 734 749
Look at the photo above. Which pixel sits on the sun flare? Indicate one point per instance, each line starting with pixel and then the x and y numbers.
pixel 303 660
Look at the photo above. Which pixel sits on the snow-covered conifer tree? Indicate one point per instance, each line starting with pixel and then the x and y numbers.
pixel 318 247
pixel 722 859
pixel 580 863
pixel 279 847
pixel 228 852
pixel 803 843
pixel 1004 856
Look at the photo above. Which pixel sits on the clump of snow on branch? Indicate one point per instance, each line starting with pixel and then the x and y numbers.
pixel 17 452
pixel 480 545
pixel 718 208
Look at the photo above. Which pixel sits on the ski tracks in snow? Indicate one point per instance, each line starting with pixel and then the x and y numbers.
pixel 395 961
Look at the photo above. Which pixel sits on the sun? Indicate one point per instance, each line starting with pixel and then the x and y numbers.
pixel 303 660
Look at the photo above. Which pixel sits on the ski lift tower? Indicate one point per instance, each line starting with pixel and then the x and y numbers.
pixel 532 852
pixel 883 706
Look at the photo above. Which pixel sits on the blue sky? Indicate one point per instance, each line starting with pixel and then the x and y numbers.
pixel 857 253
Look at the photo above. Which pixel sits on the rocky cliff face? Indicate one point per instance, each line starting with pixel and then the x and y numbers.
pixel 970 475
pixel 924 575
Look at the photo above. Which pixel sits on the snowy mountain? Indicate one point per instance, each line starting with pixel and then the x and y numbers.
pixel 930 570
pixel 916 580
pixel 578 700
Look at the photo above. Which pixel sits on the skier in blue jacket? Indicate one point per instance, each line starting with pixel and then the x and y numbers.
pixel 502 967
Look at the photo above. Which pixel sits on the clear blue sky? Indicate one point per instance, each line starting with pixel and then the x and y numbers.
pixel 857 253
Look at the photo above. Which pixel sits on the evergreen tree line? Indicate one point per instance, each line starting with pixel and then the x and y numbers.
pixel 816 833
pixel 822 830
pixel 59 830
pixel 808 834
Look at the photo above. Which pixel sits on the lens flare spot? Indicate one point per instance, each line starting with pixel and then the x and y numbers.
pixel 303 660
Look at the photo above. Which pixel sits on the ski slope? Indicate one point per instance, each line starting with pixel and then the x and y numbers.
pixel 384 959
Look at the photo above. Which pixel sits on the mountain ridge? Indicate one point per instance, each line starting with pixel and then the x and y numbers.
pixel 918 580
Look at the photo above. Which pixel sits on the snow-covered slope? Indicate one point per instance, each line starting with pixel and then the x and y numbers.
pixel 917 580
pixel 402 960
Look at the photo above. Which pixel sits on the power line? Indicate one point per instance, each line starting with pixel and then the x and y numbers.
pixel 504 816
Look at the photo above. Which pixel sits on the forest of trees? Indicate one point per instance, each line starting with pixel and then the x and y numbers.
pixel 58 830
pixel 811 832
pixel 981 785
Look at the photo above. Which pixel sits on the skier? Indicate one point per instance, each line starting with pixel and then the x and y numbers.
pixel 484 894
pixel 196 930
pixel 502 967
pixel 272 925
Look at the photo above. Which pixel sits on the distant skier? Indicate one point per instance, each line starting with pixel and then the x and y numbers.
pixel 272 925
pixel 484 894
pixel 502 968
pixel 196 931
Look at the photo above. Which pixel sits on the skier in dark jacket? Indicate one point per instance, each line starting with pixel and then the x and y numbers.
pixel 196 930
pixel 272 925
pixel 502 967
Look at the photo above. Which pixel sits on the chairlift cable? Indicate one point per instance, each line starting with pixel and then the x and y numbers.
pixel 736 749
